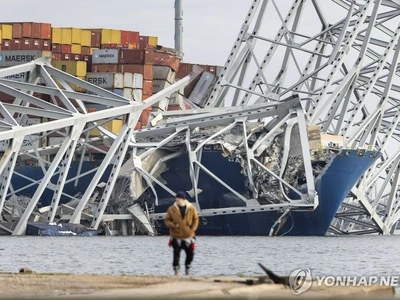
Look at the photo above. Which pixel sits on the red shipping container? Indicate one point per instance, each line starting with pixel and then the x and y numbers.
pixel 146 70
pixel 27 30
pixel 66 56
pixel 45 31
pixel 17 31
pixel 41 31
pixel 75 57
pixel 88 59
pixel 6 45
pixel 138 126
pixel 144 97
pixel 184 70
pixel 145 116
pixel 46 45
pixel 133 37
pixel 143 42
pixel 96 39
pixel 168 60
pixel 26 44
pixel 148 87
pixel 56 56
pixel 124 37
pixel 56 48
pixel 36 44
pixel 65 48
pixel 105 68
pixel 136 56
pixel 15 45
pixel 85 50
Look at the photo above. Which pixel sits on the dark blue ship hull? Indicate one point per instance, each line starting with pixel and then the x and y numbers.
pixel 332 187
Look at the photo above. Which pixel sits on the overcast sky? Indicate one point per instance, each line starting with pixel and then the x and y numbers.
pixel 210 26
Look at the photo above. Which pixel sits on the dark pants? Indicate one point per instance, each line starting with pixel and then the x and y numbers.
pixel 177 252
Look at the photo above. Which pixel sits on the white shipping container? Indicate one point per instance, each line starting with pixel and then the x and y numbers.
pixel 137 81
pixel 137 95
pixel 21 77
pixel 202 88
pixel 164 73
pixel 106 80
pixel 105 56
pixel 55 140
pixel 159 85
pixel 29 143
pixel 128 80
pixel 14 58
pixel 127 93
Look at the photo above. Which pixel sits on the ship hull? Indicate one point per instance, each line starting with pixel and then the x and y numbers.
pixel 332 186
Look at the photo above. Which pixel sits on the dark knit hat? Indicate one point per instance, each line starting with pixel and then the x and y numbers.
pixel 181 195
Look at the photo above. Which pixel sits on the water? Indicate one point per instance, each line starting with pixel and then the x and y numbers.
pixel 356 255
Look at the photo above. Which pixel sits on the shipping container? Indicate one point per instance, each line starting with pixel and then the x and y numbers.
pixel 104 68
pixel 16 45
pixel 115 37
pixel 128 80
pixel 75 57
pixel 159 85
pixel 104 36
pixel 184 70
pixel 144 117
pixel 66 36
pixel 30 142
pixel 27 30
pixel 66 48
pixel 95 39
pixel 41 31
pixel 17 31
pixel 56 57
pixel 106 80
pixel 165 59
pixel 36 44
pixel 143 42
pixel 148 87
pixel 46 45
pixel 66 56
pixel 27 45
pixel 134 37
pixel 201 88
pixel 146 70
pixel 5 45
pixel 21 77
pixel 124 38
pixel 137 81
pixel 127 93
pixel 86 38
pixel 105 56
pixel 164 73
pixel 76 34
pixel 136 56
pixel 1 39
pixel 153 40
pixel 138 125
pixel 56 36
pixel 76 68
pixel 92 50
pixel 76 49
pixel 85 50
pixel 6 31
pixel 137 95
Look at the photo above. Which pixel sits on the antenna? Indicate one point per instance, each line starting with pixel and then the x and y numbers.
pixel 178 25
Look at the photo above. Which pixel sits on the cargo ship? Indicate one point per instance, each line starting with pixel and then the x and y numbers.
pixel 136 67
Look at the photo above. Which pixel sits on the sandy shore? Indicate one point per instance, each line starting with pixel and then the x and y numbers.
pixel 59 286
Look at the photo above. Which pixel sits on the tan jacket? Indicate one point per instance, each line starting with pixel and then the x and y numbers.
pixel 187 226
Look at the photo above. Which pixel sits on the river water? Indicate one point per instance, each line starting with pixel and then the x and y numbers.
pixel 356 255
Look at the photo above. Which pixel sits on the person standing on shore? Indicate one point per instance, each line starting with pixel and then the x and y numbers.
pixel 182 219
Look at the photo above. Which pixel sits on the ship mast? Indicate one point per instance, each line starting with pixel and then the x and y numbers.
pixel 178 25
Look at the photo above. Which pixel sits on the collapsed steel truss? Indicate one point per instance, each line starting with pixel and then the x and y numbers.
pixel 341 57
pixel 343 65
